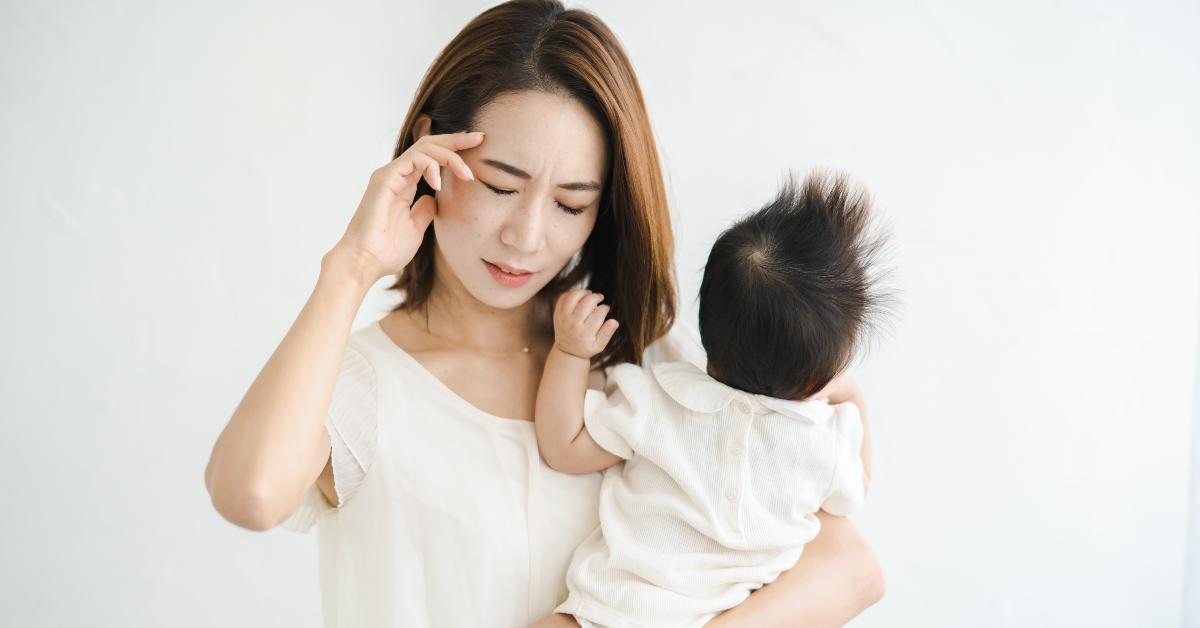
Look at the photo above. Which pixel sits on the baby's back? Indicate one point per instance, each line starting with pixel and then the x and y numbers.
pixel 718 498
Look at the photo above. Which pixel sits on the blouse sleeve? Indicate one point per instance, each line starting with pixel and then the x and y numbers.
pixel 846 491
pixel 614 417
pixel 351 423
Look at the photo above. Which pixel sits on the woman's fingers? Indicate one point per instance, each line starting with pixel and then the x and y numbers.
pixel 422 213
pixel 410 162
pixel 451 160
pixel 433 174
pixel 426 155
pixel 443 149
pixel 402 178
pixel 404 184
pixel 455 141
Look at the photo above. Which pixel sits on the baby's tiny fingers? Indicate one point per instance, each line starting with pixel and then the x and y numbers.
pixel 587 304
pixel 606 333
pixel 596 318
pixel 570 299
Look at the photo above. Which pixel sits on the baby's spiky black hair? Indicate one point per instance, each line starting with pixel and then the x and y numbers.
pixel 790 290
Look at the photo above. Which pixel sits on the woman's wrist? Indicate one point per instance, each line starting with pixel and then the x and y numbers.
pixel 343 265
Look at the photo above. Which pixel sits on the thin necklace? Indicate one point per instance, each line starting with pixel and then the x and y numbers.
pixel 429 331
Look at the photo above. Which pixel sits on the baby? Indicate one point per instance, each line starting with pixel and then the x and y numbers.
pixel 724 469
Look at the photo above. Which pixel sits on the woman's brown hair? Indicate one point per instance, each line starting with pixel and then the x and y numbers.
pixel 540 45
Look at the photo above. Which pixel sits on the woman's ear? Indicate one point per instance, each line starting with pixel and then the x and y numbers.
pixel 421 126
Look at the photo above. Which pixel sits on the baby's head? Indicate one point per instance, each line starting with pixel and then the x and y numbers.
pixel 790 291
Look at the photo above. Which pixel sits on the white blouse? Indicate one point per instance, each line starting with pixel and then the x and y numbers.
pixel 717 495
pixel 447 514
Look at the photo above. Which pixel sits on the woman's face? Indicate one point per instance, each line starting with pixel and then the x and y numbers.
pixel 538 178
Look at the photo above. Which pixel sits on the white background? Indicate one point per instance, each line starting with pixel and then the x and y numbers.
pixel 171 174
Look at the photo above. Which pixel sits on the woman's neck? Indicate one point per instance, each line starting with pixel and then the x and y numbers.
pixel 452 314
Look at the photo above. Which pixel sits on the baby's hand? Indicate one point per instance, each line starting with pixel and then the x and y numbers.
pixel 579 326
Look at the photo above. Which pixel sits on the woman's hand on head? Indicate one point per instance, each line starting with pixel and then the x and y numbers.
pixel 580 328
pixel 387 228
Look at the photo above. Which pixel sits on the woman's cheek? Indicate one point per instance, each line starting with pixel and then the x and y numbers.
pixel 455 206
pixel 573 232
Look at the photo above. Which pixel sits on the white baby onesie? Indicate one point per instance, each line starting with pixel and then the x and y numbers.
pixel 716 497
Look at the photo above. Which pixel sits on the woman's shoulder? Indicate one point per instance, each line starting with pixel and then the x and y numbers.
pixel 681 343
pixel 354 408
pixel 358 373
pixel 380 344
pixel 369 340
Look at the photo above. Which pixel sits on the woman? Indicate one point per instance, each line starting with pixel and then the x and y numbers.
pixel 410 442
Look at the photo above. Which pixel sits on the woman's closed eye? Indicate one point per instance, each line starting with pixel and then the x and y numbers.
pixel 574 211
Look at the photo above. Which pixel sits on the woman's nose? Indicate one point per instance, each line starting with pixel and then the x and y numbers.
pixel 523 230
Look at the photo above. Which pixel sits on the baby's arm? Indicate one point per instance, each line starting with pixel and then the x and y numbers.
pixel 580 332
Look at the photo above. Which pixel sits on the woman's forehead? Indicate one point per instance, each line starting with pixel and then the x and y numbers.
pixel 542 133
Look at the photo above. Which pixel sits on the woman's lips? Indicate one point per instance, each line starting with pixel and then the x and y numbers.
pixel 507 279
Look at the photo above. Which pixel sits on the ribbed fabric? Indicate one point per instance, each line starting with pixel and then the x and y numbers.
pixel 351 420
pixel 351 424
pixel 717 496
pixel 447 515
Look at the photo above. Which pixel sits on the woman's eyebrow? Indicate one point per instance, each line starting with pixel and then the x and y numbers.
pixel 586 186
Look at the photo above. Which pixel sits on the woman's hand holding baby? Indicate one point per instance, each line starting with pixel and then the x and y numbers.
pixel 580 328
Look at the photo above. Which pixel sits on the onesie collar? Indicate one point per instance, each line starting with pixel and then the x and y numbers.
pixel 695 390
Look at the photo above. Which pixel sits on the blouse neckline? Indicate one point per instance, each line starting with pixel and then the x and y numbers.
pixel 438 384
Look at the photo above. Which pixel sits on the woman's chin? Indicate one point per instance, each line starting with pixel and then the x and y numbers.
pixel 504 298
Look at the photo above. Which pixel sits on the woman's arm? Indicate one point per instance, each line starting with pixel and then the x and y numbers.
pixel 274 446
pixel 836 578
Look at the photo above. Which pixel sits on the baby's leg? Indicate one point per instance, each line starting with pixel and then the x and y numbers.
pixel 557 620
